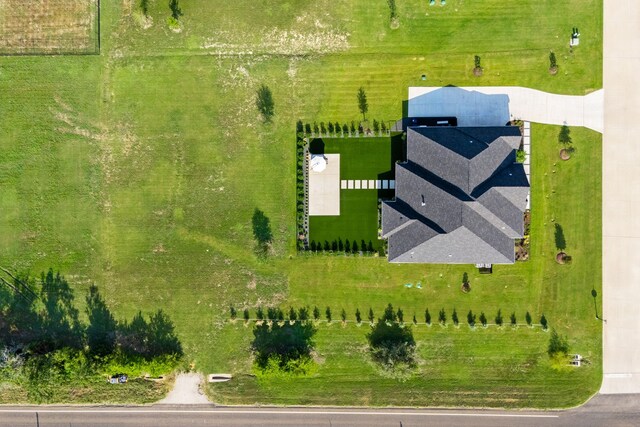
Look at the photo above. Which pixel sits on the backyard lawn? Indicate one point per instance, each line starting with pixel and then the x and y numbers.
pixel 370 158
pixel 140 169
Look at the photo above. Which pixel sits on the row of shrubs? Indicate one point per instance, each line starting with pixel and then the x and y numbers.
pixel 305 314
pixel 336 129
pixel 300 192
pixel 338 246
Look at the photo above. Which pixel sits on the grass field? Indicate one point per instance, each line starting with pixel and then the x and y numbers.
pixel 360 158
pixel 140 169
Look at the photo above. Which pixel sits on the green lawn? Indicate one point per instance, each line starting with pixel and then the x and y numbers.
pixel 140 169
pixel 360 158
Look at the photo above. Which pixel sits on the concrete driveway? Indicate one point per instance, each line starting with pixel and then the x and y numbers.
pixel 496 105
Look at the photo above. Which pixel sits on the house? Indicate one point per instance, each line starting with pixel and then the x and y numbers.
pixel 460 197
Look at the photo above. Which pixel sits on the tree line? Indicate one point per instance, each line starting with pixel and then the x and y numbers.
pixel 303 314
pixel 38 317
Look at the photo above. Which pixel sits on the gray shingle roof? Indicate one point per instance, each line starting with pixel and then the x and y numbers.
pixel 460 197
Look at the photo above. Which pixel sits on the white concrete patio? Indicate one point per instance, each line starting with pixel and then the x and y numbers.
pixel 496 105
pixel 324 188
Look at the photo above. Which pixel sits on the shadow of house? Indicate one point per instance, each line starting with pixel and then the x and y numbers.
pixel 469 107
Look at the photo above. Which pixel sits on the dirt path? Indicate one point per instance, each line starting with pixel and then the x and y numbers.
pixel 186 391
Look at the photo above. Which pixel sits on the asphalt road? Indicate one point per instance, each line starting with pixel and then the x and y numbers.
pixel 603 410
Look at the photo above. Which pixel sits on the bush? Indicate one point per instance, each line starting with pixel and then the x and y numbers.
pixel 307 128
pixel 371 316
pixel 259 313
pixel 303 314
pixel 513 319
pixel 543 322
pixel 454 317
pixel 316 130
pixel 245 314
pixel 337 127
pixel 343 315
pixel 499 318
pixel 330 126
pixel 345 129
pixel 483 319
pixel 299 126
pixel 471 319
pixel 442 317
pixel 327 313
pixel 293 315
pixel 323 129
pixel 282 343
pixel 376 126
pixel 233 312
pixel 527 318
pixel 389 343
pixel 400 315
pixel 427 317
pixel 358 316
pixel 557 344
pixel 383 126
pixel 316 313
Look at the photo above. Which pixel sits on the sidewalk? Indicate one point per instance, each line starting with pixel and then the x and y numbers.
pixel 621 198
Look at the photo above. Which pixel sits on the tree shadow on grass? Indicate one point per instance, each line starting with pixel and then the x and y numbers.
pixel 262 233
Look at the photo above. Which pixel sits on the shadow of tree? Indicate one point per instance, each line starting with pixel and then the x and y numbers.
pixel 561 243
pixel 261 232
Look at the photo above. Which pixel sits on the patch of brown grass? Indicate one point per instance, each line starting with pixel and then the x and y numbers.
pixel 47 26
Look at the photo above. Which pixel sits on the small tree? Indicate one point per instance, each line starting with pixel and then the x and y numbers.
pixel 376 126
pixel 245 314
pixel 316 129
pixel 354 247
pixel 358 316
pixel 415 321
pixel 553 65
pixel 176 12
pixel 323 129
pixel 293 315
pixel 327 313
pixel 371 317
pixel 352 129
pixel 264 102
pixel 543 322
pixel 454 317
pixel 527 318
pixel 330 126
pixel 312 246
pixel 233 312
pixel 564 135
pixel 442 317
pixel 303 314
pixel 400 315
pixel 316 313
pixel 471 318
pixel 337 127
pixel 499 318
pixel 343 315
pixel 557 344
pixel 299 126
pixel 483 319
pixel 345 129
pixel 363 105
pixel 427 317
pixel 259 313
pixel 280 314
pixel 347 245
pixel 383 126
pixel 477 69
pixel 307 128
pixel 393 12
pixel 513 319
pixel 144 7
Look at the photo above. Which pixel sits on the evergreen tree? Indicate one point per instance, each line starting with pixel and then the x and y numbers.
pixel 363 105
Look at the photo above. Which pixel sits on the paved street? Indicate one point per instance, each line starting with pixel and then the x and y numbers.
pixel 610 411
pixel 621 198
